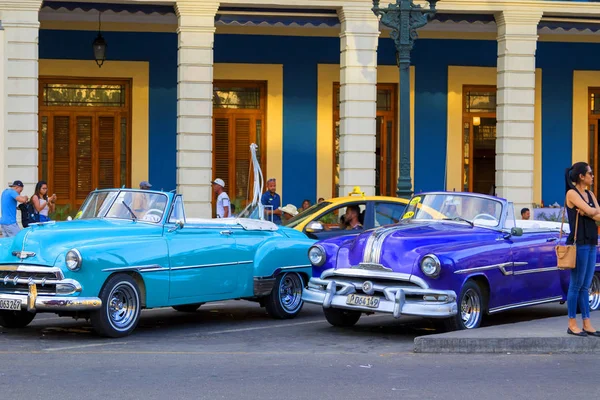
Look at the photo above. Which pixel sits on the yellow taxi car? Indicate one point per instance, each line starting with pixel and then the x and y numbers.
pixel 326 219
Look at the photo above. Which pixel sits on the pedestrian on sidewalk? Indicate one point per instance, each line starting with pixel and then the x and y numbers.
pixel 10 197
pixel 41 202
pixel 581 203
pixel 223 202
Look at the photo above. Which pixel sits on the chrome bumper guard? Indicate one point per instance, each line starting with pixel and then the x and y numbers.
pixel 435 303
pixel 34 303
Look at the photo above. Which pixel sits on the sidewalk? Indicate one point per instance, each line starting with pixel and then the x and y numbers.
pixel 548 335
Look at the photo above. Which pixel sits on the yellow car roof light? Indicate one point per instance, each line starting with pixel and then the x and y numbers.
pixel 356 191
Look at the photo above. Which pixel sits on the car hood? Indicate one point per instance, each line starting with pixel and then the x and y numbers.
pixel 399 247
pixel 42 244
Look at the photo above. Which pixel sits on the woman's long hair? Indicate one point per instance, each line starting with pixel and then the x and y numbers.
pixel 572 174
pixel 38 188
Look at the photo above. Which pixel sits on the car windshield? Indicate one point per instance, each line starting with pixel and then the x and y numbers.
pixel 465 207
pixel 124 204
pixel 301 217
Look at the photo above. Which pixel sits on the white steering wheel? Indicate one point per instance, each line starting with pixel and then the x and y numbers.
pixel 485 217
pixel 153 215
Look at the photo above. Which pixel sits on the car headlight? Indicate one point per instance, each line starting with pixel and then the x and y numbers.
pixel 316 255
pixel 73 260
pixel 431 266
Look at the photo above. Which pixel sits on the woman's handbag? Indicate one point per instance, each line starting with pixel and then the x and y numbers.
pixel 566 255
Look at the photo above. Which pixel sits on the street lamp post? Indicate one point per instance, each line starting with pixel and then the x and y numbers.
pixel 404 18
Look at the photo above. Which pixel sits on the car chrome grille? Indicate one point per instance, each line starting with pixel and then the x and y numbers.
pixel 16 281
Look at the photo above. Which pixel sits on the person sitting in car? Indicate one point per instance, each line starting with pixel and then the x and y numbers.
pixel 351 218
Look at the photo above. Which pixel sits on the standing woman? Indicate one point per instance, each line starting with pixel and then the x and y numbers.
pixel 582 204
pixel 43 205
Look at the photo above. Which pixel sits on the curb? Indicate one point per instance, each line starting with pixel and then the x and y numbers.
pixel 441 344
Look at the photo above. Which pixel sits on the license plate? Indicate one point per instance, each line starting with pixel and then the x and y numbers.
pixel 14 305
pixel 366 301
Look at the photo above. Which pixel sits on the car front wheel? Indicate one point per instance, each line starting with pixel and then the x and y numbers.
pixel 121 306
pixel 471 305
pixel 285 300
pixel 15 319
pixel 341 318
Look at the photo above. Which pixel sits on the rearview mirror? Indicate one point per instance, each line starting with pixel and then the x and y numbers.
pixel 314 227
pixel 516 231
pixel 178 225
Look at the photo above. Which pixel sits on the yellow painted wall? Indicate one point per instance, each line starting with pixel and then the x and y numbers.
pixel 457 78
pixel 327 75
pixel 273 75
pixel 582 81
pixel 138 71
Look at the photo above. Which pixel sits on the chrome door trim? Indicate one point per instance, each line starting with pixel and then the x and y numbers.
pixel 525 304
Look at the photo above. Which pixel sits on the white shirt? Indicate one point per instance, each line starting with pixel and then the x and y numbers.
pixel 222 202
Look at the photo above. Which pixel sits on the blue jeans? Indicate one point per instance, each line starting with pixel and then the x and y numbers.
pixel 581 279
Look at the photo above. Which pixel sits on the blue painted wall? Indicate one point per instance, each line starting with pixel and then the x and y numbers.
pixel 558 61
pixel 160 50
pixel 431 58
pixel 300 59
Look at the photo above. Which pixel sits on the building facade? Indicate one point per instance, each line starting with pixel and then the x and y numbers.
pixel 503 97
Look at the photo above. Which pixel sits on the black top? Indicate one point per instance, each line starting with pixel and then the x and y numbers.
pixel 587 230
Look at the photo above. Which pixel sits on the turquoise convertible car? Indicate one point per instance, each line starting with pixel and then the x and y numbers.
pixel 127 250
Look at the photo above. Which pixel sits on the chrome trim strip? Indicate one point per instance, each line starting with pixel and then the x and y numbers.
pixel 209 265
pixel 362 273
pixel 139 268
pixel 501 267
pixel 31 268
pixel 534 271
pixel 373 267
pixel 295 266
pixel 524 304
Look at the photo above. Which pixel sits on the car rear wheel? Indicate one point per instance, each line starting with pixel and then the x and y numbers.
pixel 341 318
pixel 595 293
pixel 15 319
pixel 121 307
pixel 187 307
pixel 285 300
pixel 471 305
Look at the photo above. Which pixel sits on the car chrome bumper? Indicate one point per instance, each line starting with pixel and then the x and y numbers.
pixel 44 303
pixel 392 300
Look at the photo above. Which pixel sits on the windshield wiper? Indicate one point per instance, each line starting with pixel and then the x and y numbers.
pixel 459 219
pixel 130 210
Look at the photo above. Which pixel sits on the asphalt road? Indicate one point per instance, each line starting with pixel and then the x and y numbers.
pixel 233 350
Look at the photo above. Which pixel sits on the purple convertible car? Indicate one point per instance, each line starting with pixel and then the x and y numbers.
pixel 453 257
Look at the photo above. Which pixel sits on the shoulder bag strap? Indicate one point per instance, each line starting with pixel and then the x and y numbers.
pixel 563 222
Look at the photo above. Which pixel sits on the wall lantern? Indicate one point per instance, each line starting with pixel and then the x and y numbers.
pixel 99 45
pixel 476 121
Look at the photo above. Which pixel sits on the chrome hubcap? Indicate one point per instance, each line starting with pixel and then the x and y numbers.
pixel 290 292
pixel 595 293
pixel 470 309
pixel 123 306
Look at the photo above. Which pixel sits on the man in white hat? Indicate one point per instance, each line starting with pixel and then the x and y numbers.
pixel 289 211
pixel 223 202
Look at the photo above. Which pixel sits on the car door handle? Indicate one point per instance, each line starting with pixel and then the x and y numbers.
pixel 551 240
pixel 226 233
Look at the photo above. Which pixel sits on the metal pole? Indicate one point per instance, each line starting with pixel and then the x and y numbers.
pixel 404 18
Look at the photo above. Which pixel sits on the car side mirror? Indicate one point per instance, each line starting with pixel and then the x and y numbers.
pixel 178 225
pixel 314 227
pixel 516 231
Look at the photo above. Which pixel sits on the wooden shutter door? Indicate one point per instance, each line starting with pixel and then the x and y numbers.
pixel 107 143
pixel 61 142
pixel 83 157
pixel 243 127
pixel 221 152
